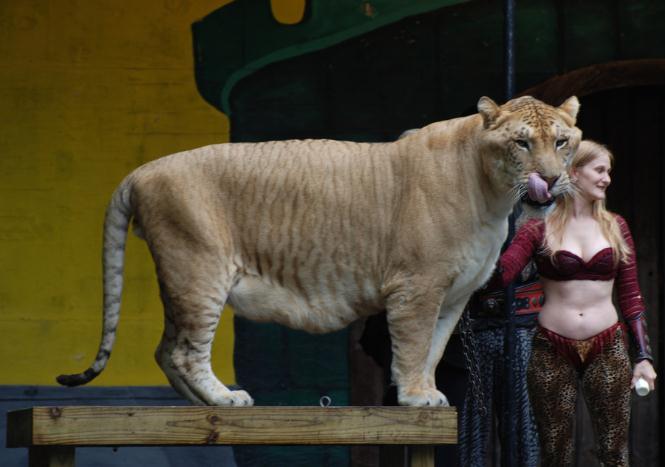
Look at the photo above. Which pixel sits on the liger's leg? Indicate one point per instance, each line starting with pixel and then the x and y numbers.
pixel 606 384
pixel 412 314
pixel 552 384
pixel 163 356
pixel 195 319
pixel 194 285
pixel 443 329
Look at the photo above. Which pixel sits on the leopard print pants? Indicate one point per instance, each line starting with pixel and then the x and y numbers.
pixel 605 382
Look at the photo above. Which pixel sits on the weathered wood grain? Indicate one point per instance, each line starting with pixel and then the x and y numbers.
pixel 127 426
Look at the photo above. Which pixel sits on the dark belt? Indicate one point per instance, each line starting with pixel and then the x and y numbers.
pixel 529 299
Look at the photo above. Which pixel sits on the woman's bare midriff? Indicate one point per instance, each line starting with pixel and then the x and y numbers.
pixel 577 309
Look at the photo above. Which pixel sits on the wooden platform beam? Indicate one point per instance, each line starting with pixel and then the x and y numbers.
pixel 51 433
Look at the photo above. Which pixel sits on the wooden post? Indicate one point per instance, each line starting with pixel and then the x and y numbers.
pixel 422 456
pixel 51 456
pixel 52 433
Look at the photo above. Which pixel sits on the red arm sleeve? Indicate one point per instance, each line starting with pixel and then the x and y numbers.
pixel 630 298
pixel 526 242
pixel 628 288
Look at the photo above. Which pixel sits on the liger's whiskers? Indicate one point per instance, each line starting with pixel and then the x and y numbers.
pixel 517 192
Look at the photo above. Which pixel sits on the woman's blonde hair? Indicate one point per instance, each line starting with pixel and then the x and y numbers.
pixel 556 220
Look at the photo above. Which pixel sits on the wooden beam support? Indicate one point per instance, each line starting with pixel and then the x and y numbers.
pixel 151 426
pixel 51 456
pixel 52 433
pixel 422 456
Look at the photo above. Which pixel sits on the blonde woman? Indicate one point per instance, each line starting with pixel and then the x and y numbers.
pixel 583 252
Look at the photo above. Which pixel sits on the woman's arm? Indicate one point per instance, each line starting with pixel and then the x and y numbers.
pixel 518 254
pixel 632 309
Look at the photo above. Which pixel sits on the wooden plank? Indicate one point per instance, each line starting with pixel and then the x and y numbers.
pixel 126 426
pixel 422 456
pixel 19 428
pixel 51 456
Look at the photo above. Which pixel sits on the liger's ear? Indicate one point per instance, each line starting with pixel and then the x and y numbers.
pixel 571 106
pixel 488 109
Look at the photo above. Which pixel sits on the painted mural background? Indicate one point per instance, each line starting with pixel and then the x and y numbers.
pixel 91 90
pixel 88 92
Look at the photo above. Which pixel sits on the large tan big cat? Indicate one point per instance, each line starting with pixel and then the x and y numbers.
pixel 315 234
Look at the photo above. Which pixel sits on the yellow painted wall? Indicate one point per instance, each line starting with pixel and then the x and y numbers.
pixel 88 91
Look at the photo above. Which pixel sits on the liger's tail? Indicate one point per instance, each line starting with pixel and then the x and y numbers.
pixel 116 225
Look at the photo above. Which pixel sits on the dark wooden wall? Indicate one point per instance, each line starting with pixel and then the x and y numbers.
pixel 431 67
pixel 631 122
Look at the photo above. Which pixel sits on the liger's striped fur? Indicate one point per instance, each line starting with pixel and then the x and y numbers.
pixel 314 234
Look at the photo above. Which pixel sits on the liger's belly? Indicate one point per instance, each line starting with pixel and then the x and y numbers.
pixel 312 310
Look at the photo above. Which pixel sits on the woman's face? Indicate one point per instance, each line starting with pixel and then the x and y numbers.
pixel 593 178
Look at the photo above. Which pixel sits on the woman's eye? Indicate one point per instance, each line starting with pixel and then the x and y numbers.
pixel 560 143
pixel 521 143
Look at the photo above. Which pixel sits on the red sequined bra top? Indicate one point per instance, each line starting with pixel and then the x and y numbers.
pixel 566 266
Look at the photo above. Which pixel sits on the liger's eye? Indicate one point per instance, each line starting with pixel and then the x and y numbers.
pixel 522 144
pixel 560 144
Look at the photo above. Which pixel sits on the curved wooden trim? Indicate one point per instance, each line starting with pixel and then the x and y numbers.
pixel 600 77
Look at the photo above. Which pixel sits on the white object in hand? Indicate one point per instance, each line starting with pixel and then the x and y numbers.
pixel 642 387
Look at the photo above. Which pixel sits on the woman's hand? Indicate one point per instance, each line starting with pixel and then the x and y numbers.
pixel 644 369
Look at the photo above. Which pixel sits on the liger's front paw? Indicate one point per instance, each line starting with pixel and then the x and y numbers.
pixel 423 398
pixel 235 399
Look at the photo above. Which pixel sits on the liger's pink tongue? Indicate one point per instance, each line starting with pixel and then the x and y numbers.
pixel 537 188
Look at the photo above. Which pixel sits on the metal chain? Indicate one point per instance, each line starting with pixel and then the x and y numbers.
pixel 471 357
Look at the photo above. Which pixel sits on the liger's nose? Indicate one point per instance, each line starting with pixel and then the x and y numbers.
pixel 550 181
